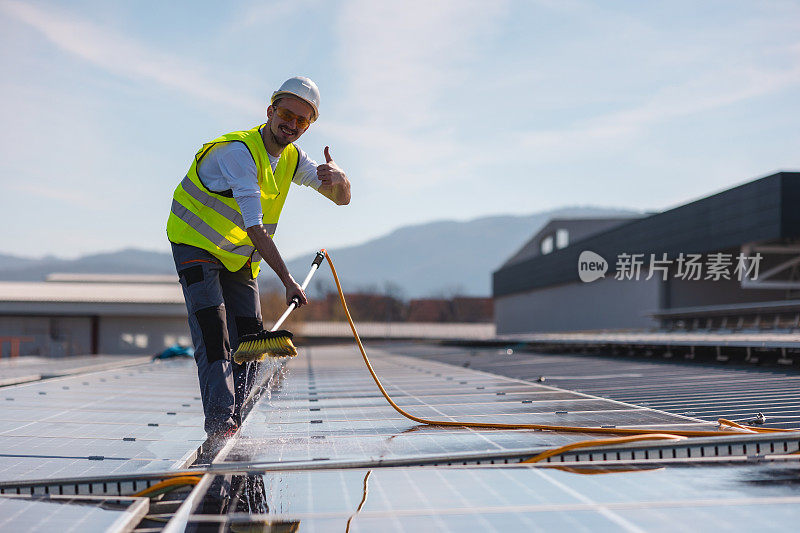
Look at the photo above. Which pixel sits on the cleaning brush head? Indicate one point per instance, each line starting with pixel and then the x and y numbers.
pixel 257 346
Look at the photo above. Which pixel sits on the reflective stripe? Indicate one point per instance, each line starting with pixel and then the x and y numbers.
pixel 208 232
pixel 214 203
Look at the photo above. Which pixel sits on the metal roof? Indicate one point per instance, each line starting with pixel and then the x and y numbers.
pixel 111 278
pixel 578 228
pixel 51 291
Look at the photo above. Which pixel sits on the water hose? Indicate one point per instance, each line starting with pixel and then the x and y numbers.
pixel 168 485
pixel 497 425
pixel 600 442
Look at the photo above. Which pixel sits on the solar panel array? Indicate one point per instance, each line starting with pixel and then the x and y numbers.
pixel 326 413
pixel 24 369
pixel 502 499
pixel 329 409
pixel 702 391
pixel 312 452
pixel 68 514
pixel 125 420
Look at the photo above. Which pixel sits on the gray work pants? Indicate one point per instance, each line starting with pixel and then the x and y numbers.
pixel 222 306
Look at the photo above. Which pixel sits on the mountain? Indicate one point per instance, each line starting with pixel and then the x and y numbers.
pixel 127 261
pixel 443 258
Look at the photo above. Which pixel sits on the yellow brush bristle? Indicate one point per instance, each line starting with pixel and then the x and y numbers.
pixel 259 349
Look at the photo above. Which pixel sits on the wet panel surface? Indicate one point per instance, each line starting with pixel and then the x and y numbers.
pixel 725 497
pixel 325 406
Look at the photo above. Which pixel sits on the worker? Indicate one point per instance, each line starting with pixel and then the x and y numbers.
pixel 224 214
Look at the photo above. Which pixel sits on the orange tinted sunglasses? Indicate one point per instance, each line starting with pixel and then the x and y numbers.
pixel 288 116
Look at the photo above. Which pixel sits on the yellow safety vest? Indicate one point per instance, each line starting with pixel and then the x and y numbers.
pixel 213 220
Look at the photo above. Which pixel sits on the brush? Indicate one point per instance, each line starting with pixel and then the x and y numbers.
pixel 275 342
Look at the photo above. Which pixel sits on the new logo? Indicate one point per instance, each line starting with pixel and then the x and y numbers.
pixel 591 266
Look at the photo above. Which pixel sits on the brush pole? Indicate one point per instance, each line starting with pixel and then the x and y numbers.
pixel 295 302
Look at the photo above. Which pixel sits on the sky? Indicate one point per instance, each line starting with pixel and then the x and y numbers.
pixel 435 109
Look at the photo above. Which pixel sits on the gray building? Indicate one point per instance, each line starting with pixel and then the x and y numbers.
pixel 719 256
pixel 72 314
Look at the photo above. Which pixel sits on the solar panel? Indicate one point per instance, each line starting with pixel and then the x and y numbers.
pixel 707 392
pixel 721 497
pixel 25 369
pixel 327 408
pixel 323 413
pixel 63 513
pixel 138 419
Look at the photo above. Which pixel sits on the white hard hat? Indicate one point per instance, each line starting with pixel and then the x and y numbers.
pixel 302 88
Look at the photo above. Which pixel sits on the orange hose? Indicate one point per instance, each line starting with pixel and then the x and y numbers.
pixel 489 425
pixel 593 470
pixel 171 482
pixel 600 442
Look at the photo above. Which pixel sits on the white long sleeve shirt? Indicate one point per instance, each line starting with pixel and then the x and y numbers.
pixel 229 166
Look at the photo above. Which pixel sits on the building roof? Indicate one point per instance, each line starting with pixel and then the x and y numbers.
pixel 111 278
pixel 578 228
pixel 24 298
pixel 759 211
pixel 50 291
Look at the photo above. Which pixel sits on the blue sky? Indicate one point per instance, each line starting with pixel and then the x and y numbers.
pixel 436 109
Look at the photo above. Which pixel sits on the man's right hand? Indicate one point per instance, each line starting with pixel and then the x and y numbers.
pixel 293 290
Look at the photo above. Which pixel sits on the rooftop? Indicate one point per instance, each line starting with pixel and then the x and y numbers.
pixel 322 449
pixel 91 292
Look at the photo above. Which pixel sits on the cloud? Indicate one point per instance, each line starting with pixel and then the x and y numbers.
pixel 704 92
pixel 404 61
pixel 124 56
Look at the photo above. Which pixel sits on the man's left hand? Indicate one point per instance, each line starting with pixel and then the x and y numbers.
pixel 329 173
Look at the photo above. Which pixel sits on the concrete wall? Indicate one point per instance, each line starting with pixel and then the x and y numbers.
pixel 601 304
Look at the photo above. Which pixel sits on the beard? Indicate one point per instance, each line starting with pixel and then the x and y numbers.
pixel 282 138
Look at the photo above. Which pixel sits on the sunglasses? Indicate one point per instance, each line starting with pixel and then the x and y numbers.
pixel 288 116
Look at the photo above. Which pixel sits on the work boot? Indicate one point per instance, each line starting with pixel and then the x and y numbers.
pixel 214 444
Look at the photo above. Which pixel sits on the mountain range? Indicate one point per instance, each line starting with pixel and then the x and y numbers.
pixel 442 258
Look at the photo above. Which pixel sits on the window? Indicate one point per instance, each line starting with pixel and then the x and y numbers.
pixel 138 340
pixel 547 245
pixel 180 340
pixel 562 238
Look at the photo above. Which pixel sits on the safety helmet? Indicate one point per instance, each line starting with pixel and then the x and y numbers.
pixel 302 88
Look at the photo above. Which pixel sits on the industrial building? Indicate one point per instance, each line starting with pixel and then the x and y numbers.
pixel 727 261
pixel 75 314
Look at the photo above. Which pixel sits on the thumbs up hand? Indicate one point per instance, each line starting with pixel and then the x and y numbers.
pixel 329 172
pixel 334 181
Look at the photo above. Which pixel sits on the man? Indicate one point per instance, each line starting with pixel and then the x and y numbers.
pixel 224 214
